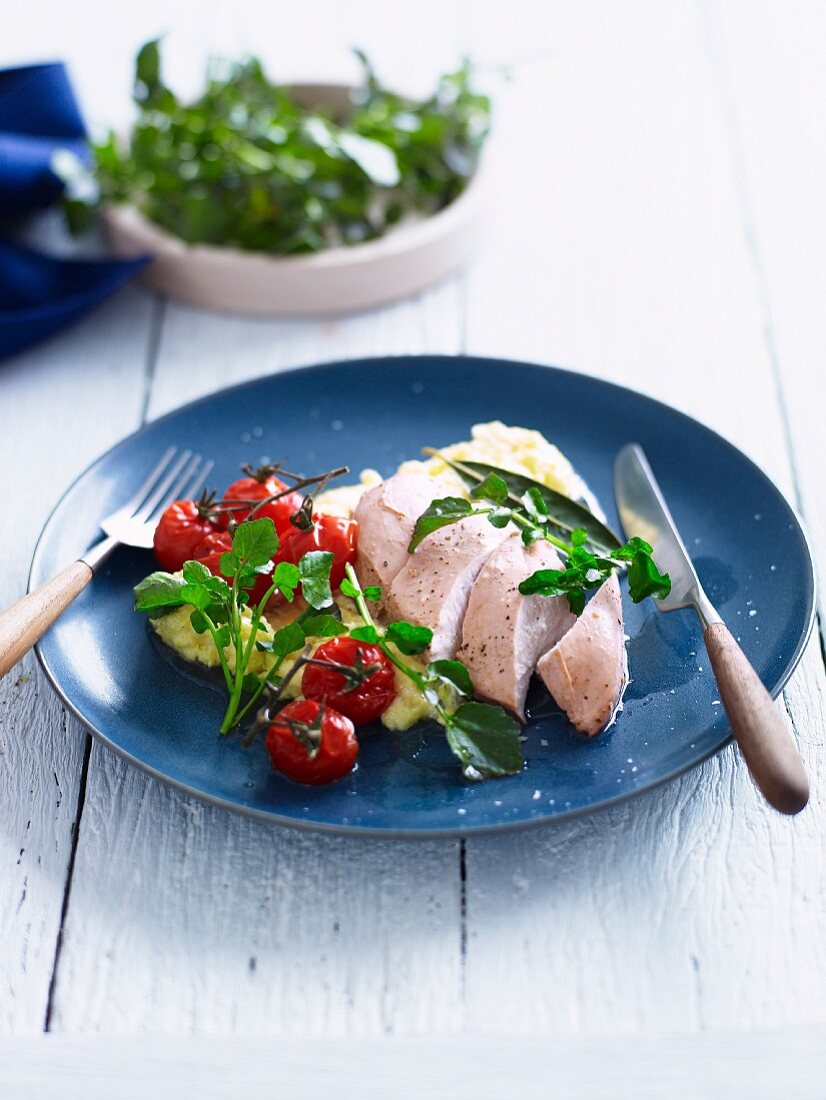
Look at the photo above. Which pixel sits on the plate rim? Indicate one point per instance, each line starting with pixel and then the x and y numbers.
pixel 460 832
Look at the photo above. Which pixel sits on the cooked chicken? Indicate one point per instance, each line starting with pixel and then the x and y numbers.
pixel 586 671
pixel 433 588
pixel 386 516
pixel 504 633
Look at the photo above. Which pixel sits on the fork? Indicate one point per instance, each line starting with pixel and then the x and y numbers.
pixel 176 476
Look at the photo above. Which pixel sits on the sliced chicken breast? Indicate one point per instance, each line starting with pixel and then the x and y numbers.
pixel 586 671
pixel 386 515
pixel 433 588
pixel 504 633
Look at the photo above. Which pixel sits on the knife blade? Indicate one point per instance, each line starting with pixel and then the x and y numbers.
pixel 767 746
pixel 644 512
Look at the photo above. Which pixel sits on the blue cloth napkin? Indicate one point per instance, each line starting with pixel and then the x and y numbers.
pixel 40 294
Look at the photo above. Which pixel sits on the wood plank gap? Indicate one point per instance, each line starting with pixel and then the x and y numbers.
pixel 462 915
pixel 152 349
pixel 67 889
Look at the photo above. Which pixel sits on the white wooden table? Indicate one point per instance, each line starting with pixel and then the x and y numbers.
pixel 656 219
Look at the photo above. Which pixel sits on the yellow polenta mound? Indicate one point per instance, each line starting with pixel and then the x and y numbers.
pixel 176 631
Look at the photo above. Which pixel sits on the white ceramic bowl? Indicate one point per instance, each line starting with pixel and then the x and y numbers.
pixel 337 280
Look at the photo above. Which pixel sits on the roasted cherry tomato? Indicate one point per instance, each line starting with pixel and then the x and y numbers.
pixel 332 533
pixel 216 542
pixel 180 529
pixel 290 734
pixel 209 552
pixel 259 488
pixel 360 702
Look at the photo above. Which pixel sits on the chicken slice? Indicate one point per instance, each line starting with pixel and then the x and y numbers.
pixel 586 671
pixel 434 586
pixel 386 515
pixel 504 633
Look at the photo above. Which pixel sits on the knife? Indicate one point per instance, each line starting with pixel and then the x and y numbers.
pixel 767 746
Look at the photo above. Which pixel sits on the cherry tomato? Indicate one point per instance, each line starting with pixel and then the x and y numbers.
pixel 215 542
pixel 253 488
pixel 337 750
pixel 332 533
pixel 179 530
pixel 209 552
pixel 362 703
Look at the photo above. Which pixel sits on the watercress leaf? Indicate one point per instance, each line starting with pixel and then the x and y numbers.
pixel 159 590
pixel 251 683
pixel 485 740
pixel 500 517
pixel 376 160
pixel 255 542
pixel 288 639
pixel 348 588
pixel 223 636
pixel 632 547
pixel 453 673
pixel 534 503
pixel 287 577
pixel 493 488
pixel 544 582
pixel 218 587
pixel 439 513
pixel 645 579
pixel 408 638
pixel 366 634
pixel 576 600
pixel 198 621
pixel 195 572
pixel 246 577
pixel 147 71
pixel 314 567
pixel 229 564
pixel 196 595
pixel 372 593
pixel 323 626
pixel 564 515
pixel 579 536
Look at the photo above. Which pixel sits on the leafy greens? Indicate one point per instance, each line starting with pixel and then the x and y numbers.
pixel 248 164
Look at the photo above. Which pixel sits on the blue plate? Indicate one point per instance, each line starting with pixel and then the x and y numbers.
pixel 377 412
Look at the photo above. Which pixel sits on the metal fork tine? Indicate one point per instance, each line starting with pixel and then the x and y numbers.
pixel 199 480
pixel 178 490
pixel 131 505
pixel 161 490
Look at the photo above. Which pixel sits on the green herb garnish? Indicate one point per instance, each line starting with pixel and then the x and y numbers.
pixel 483 737
pixel 247 164
pixel 218 606
pixel 591 551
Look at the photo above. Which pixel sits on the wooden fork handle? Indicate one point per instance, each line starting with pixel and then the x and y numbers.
pixel 27 620
pixel 767 746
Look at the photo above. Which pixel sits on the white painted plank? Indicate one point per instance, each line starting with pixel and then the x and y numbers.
pixel 203 351
pixel 184 918
pixel 772 82
pixel 761 1066
pixel 693 907
pixel 62 403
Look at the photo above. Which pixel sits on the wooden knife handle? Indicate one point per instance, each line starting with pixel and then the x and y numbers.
pixel 28 619
pixel 766 744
